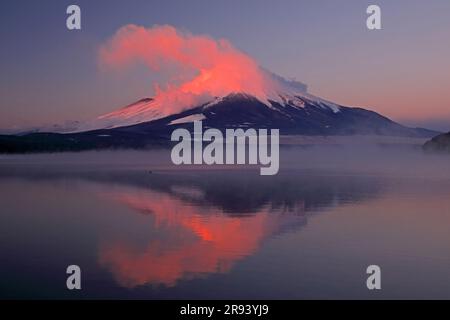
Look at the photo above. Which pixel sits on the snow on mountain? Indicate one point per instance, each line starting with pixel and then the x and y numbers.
pixel 285 104
pixel 283 92
pixel 188 119
pixel 293 115
pixel 140 111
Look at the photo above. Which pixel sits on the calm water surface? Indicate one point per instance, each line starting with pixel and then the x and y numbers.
pixel 308 232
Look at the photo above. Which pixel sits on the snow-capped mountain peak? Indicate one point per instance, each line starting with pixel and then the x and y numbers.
pixel 280 92
pixel 279 95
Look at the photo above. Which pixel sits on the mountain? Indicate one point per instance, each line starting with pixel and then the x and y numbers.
pixel 292 114
pixel 144 124
pixel 440 143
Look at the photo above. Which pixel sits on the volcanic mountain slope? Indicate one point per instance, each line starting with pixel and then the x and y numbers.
pixel 292 114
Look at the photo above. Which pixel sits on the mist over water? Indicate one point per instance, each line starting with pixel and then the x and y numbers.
pixel 399 159
pixel 140 227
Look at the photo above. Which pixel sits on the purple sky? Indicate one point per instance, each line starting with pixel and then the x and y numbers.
pixel 49 74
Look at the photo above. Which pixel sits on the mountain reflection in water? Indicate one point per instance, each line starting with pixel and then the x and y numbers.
pixel 200 223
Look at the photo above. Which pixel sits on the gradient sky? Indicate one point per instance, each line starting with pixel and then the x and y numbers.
pixel 49 74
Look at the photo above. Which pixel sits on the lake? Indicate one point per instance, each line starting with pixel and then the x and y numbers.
pixel 140 228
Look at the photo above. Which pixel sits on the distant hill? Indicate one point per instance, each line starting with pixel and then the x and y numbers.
pixel 440 143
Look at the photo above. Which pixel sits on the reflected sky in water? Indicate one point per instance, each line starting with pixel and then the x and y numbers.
pixel 227 234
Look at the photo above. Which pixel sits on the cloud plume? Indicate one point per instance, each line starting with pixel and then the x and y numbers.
pixel 203 67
